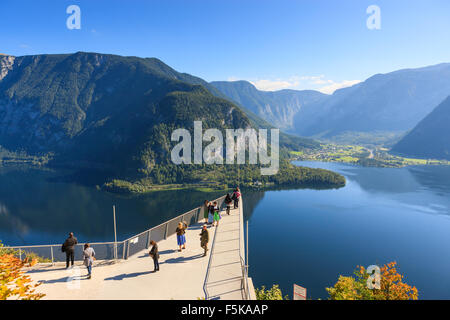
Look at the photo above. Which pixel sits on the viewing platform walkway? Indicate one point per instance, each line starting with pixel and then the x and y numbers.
pixel 185 275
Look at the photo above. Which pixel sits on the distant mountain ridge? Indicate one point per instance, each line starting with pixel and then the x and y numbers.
pixel 59 102
pixel 62 102
pixel 112 117
pixel 431 137
pixel 395 101
pixel 276 107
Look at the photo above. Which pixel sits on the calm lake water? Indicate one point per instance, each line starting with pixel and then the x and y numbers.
pixel 310 237
pixel 307 237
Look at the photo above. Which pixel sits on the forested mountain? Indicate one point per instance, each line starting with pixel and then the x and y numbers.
pixel 276 107
pixel 431 137
pixel 101 108
pixel 110 112
pixel 393 102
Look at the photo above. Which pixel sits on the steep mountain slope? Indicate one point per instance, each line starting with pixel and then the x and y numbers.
pixel 276 107
pixel 99 112
pixel 431 137
pixel 101 108
pixel 395 101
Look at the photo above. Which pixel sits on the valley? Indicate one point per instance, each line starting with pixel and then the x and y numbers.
pixel 377 156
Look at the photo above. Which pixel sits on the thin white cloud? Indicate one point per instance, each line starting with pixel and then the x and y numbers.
pixel 274 85
pixel 331 88
pixel 320 83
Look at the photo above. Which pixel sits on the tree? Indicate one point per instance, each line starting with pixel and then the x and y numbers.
pixel 392 286
pixel 13 282
pixel 271 294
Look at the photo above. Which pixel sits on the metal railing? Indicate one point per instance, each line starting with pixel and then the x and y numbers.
pixel 115 250
pixel 52 253
pixel 211 255
pixel 244 262
pixel 244 266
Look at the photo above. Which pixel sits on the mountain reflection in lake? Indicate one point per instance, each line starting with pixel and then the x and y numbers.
pixel 34 210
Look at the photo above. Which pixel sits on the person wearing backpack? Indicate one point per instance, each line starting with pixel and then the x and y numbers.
pixel 69 248
pixel 181 238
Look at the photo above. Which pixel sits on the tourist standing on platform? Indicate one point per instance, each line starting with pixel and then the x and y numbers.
pixel 204 239
pixel 206 210
pixel 216 214
pixel 69 248
pixel 228 202
pixel 211 212
pixel 154 253
pixel 235 197
pixel 88 257
pixel 181 238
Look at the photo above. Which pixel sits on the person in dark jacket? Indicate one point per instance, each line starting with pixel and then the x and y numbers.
pixel 206 210
pixel 228 202
pixel 204 238
pixel 69 248
pixel 154 253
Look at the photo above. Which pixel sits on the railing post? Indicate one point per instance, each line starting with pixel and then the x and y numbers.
pixel 51 251
pixel 148 239
pixel 20 253
pixel 128 249
pixel 167 230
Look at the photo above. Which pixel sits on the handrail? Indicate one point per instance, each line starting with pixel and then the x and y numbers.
pixel 205 284
pixel 244 266
pixel 56 245
pixel 112 242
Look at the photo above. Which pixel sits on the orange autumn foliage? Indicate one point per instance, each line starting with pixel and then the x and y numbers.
pixel 392 286
pixel 14 284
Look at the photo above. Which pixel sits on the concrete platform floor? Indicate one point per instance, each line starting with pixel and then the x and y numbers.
pixel 181 276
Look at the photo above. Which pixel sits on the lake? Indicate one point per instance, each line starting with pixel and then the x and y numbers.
pixel 308 237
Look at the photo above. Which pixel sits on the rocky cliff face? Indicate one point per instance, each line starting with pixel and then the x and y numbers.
pixel 276 107
pixel 6 64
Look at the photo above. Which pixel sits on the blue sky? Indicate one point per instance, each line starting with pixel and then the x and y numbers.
pixel 301 44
